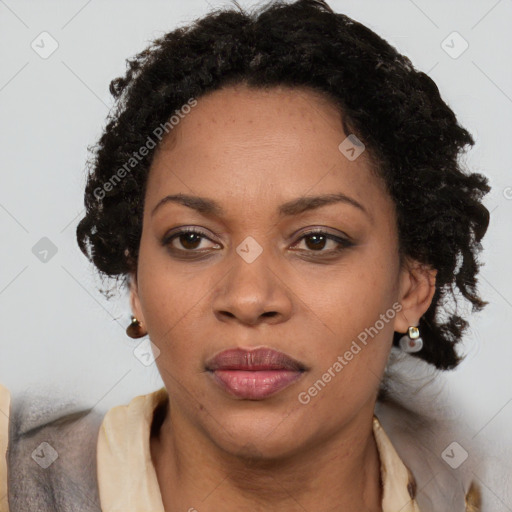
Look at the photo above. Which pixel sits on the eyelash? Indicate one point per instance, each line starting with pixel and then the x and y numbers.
pixel 343 243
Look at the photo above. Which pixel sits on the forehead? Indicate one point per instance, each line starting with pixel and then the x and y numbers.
pixel 245 146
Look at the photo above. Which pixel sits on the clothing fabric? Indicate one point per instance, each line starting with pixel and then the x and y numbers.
pixel 105 461
pixel 51 454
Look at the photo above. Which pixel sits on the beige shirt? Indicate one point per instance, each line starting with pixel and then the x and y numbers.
pixel 126 476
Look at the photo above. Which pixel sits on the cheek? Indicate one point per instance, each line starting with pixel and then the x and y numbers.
pixel 353 297
pixel 173 300
pixel 169 303
pixel 349 359
pixel 165 295
pixel 356 305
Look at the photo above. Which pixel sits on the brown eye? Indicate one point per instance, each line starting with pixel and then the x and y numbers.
pixel 317 241
pixel 187 240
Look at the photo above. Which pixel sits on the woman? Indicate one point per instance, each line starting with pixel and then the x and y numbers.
pixel 282 195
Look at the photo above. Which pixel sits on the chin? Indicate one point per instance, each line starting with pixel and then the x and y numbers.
pixel 257 437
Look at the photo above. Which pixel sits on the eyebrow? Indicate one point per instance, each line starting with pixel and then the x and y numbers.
pixel 297 206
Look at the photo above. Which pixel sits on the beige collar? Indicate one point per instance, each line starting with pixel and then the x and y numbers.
pixel 398 482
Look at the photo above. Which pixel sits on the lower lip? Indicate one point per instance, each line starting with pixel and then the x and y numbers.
pixel 255 385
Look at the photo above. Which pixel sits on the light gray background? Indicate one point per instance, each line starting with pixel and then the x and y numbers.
pixel 58 330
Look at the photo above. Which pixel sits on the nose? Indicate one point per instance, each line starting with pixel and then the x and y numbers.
pixel 252 293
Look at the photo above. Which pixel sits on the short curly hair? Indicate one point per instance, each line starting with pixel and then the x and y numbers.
pixel 412 137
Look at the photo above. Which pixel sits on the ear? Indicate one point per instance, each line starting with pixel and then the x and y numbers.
pixel 417 287
pixel 135 299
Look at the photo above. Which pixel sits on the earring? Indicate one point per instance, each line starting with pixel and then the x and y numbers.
pixel 134 330
pixel 411 342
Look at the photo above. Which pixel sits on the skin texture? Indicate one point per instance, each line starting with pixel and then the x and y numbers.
pixel 251 151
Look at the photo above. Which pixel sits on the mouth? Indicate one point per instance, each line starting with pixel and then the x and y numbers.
pixel 254 374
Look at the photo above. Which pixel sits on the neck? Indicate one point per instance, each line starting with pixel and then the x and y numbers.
pixel 339 473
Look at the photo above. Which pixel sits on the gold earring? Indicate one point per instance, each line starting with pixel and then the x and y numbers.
pixel 135 330
pixel 411 342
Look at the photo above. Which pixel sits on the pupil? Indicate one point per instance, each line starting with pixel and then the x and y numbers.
pixel 319 241
pixel 189 239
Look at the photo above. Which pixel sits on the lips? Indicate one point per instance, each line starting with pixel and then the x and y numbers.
pixel 253 360
pixel 254 374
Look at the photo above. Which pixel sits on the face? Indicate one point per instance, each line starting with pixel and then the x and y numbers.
pixel 269 267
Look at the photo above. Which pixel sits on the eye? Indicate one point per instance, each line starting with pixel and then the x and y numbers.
pixel 187 240
pixel 317 240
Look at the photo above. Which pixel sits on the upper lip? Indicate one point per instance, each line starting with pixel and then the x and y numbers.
pixel 253 360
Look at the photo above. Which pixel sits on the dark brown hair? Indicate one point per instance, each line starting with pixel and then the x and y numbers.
pixel 396 110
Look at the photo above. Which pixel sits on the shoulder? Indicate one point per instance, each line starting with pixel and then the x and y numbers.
pixel 51 453
pixel 435 453
pixel 53 443
pixel 455 468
